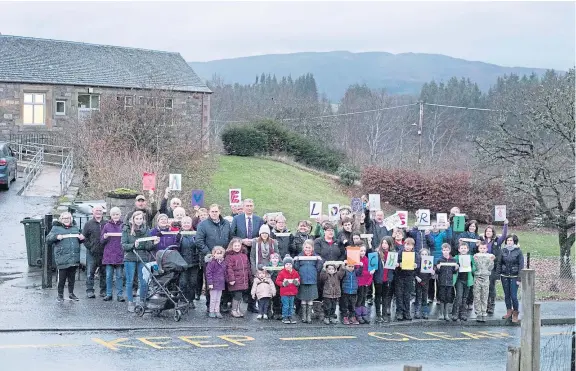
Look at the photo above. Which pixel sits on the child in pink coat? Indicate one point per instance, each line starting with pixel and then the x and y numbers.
pixel 364 284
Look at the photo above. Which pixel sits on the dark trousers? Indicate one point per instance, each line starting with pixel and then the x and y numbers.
pixel 361 296
pixel 277 302
pixel 199 281
pixel 263 305
pixel 421 300
pixel 383 297
pixel 432 289
pixel 93 263
pixel 492 289
pixel 459 308
pixel 404 288
pixel 349 308
pixel 187 283
pixel 370 291
pixel 66 274
pixel 470 296
pixel 329 306
pixel 510 286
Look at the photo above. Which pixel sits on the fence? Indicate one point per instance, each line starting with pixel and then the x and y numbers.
pixel 38 138
pixel 557 352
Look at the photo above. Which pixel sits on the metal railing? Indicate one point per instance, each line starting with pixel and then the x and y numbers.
pixel 35 164
pixel 66 172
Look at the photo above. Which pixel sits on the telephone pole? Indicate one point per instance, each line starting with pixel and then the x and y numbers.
pixel 420 134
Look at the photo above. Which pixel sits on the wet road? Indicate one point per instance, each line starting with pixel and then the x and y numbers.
pixel 279 348
pixel 14 208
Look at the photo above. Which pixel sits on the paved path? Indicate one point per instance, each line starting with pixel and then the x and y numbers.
pixel 47 184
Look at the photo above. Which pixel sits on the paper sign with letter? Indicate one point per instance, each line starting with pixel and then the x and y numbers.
pixel 197 197
pixel 442 220
pixel 423 217
pixel 235 196
pixel 427 264
pixel 372 261
pixel 334 211
pixel 499 213
pixel 403 215
pixel 356 205
pixel 391 260
pixel 175 182
pixel 315 209
pixel 374 201
pixel 459 222
pixel 392 222
pixel 353 254
pixel 149 181
pixel 465 264
pixel 408 260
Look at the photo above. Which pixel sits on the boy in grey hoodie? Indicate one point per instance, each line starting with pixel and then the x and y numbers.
pixel 484 266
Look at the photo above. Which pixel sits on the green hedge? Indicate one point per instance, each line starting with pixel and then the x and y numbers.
pixel 268 137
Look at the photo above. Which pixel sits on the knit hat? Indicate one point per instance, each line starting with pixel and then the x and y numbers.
pixel 264 229
pixel 287 259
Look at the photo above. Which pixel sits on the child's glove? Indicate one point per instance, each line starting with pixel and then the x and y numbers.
pixel 285 282
pixel 296 282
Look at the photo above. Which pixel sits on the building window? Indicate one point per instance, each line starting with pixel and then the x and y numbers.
pixel 167 103
pixel 89 101
pixel 60 107
pixel 34 109
pixel 128 101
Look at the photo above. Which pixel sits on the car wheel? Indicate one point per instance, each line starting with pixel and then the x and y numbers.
pixel 7 185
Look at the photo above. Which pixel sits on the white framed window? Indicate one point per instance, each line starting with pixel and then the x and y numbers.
pixel 128 101
pixel 60 108
pixel 34 109
pixel 88 101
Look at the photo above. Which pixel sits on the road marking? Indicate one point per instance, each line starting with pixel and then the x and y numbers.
pixel 23 346
pixel 319 338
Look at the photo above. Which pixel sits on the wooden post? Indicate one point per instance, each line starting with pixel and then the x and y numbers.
pixel 536 337
pixel 527 323
pixel 412 368
pixel 513 359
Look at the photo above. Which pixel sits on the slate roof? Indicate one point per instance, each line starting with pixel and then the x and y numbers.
pixel 44 61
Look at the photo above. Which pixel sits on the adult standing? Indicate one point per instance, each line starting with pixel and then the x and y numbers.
pixel 375 227
pixel 174 203
pixel 140 204
pixel 510 263
pixel 494 247
pixel 94 252
pixel 246 226
pixel 212 232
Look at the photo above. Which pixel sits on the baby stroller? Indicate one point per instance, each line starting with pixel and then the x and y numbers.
pixel 163 290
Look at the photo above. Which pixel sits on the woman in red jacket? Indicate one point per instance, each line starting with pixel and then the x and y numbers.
pixel 237 273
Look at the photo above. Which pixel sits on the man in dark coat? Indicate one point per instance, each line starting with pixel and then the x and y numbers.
pixel 94 252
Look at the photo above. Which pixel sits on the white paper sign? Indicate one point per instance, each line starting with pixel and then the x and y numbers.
pixel 175 182
pixel 392 222
pixel 403 219
pixel 499 213
pixel 423 217
pixel 315 209
pixel 334 211
pixel 374 201
pixel 442 220
pixel 366 235
pixel 165 233
pixel 282 234
pixel 189 233
pixel 465 264
pixel 427 264
pixel 70 235
pixel 469 240
pixel 114 234
pixel 144 239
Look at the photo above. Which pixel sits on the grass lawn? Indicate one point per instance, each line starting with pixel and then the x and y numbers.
pixel 274 186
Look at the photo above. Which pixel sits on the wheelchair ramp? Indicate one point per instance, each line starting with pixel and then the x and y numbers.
pixel 46 184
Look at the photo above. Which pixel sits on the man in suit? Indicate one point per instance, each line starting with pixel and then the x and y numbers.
pixel 247 226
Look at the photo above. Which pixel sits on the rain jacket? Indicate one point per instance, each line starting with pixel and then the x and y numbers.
pixel 113 252
pixel 67 250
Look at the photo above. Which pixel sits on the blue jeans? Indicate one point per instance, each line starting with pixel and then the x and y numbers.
pixel 110 270
pixel 92 263
pixel 129 268
pixel 287 306
pixel 510 286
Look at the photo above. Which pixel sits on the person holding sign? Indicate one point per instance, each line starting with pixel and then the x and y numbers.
pixel 308 264
pixel 409 263
pixel 330 279
pixel 192 253
pixel 349 292
pixel 472 238
pixel 375 226
pixel 94 252
pixel 113 257
pixel 345 235
pixel 423 276
pixel 484 267
pixel 283 237
pixel 494 244
pixel 383 282
pixel 446 268
pixel 288 279
pixel 135 240
pixel 274 268
pixel 261 249
pixel 174 203
pixel 364 284
pixel 463 280
pixel 162 231
pixel 66 238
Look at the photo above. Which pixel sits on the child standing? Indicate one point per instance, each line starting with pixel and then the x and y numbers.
pixel 263 290
pixel 398 236
pixel 383 282
pixel 405 282
pixel 237 273
pixel 216 280
pixel 330 279
pixel 422 281
pixel 446 267
pixel 484 266
pixel 276 302
pixel 349 292
pixel 462 283
pixel 364 285
pixel 308 270
pixel 288 280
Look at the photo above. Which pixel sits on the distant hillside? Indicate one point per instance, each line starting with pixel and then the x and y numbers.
pixel 335 71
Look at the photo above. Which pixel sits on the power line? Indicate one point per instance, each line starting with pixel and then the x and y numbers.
pixel 459 107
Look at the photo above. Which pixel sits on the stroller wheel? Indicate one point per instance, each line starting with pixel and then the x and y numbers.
pixel 177 315
pixel 185 309
pixel 139 310
pixel 156 312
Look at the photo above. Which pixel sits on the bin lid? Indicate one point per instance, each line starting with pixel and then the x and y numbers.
pixel 31 220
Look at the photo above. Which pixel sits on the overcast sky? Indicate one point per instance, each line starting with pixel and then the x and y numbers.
pixel 530 34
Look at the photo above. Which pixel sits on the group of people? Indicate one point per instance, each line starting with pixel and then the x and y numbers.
pixel 282 274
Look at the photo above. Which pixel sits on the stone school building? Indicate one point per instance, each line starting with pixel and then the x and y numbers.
pixel 47 84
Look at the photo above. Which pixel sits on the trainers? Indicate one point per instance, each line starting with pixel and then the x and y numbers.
pixel 264 316
pixel 379 319
pixel 366 319
pixel 73 297
pixel 218 315
pixel 259 316
pixel 131 306
pixel 107 298
pixel 212 315
pixel 90 295
pixel 354 321
pixel 361 320
pixel 102 294
pixel 60 298
pixel 286 321
pixel 417 315
pixel 293 320
pixel 345 321
pixel 334 320
pixel 121 299
pixel 326 321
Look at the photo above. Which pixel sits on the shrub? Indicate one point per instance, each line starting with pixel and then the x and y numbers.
pixel 244 141
pixel 348 174
pixel 411 190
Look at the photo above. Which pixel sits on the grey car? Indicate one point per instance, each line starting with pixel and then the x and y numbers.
pixel 8 165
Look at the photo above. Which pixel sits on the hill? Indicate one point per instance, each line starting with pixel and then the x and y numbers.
pixel 274 186
pixel 335 71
